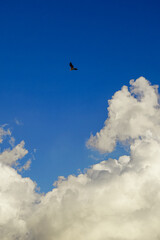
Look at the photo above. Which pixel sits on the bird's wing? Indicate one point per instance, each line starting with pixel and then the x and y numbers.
pixel 71 65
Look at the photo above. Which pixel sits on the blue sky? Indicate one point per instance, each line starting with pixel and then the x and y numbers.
pixel 110 42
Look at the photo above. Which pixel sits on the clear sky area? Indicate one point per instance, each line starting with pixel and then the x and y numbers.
pixel 55 110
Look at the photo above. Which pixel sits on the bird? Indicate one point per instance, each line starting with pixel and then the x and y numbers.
pixel 72 67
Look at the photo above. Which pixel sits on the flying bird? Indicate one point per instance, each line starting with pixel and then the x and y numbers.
pixel 72 67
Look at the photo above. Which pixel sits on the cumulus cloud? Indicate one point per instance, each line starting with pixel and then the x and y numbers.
pixel 115 199
pixel 17 195
pixel 131 114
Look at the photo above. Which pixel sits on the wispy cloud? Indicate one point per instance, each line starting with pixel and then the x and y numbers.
pixel 4 132
pixel 25 167
pixel 114 199
pixel 18 122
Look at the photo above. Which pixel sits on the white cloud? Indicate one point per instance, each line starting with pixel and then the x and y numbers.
pixel 17 199
pixel 25 167
pixel 113 199
pixel 132 114
pixel 10 157
pixel 3 133
pixel 17 195
pixel 18 122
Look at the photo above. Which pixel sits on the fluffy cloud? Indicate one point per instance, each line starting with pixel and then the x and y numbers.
pixel 17 199
pixel 113 199
pixel 131 114
pixel 10 157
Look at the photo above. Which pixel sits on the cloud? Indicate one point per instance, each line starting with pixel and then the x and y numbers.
pixel 115 199
pixel 18 122
pixel 10 157
pixel 17 197
pixel 131 114
pixel 26 166
pixel 4 133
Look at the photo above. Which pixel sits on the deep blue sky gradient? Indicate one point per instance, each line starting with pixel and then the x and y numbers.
pixel 110 42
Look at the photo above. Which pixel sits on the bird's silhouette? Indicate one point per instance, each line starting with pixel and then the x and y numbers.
pixel 72 67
